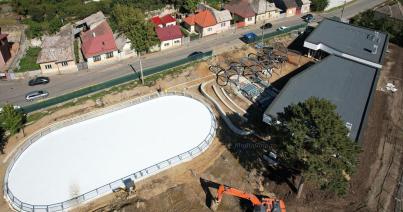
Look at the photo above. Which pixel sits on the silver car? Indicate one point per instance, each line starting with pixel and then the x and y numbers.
pixel 36 95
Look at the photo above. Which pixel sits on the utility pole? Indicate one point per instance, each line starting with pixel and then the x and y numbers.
pixel 264 20
pixel 141 70
pixel 342 10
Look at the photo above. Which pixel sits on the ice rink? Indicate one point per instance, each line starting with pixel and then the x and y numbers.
pixel 79 158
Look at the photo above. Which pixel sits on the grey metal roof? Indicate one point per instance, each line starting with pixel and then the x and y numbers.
pixel 345 83
pixel 349 39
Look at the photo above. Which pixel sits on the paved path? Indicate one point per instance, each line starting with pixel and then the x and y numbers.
pixel 14 91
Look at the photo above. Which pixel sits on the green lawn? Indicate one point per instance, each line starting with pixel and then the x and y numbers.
pixel 28 62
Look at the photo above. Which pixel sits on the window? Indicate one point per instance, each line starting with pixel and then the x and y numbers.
pixel 64 63
pixel 209 29
pixel 109 54
pixel 96 58
pixel 250 19
pixel 176 41
pixel 48 66
pixel 166 44
pixel 223 24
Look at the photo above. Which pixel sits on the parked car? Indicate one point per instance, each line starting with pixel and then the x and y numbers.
pixel 282 28
pixel 193 54
pixel 36 95
pixel 308 18
pixel 38 81
pixel 266 26
pixel 249 37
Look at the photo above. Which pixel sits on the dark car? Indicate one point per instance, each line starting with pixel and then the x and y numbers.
pixel 194 54
pixel 249 37
pixel 308 17
pixel 266 26
pixel 38 81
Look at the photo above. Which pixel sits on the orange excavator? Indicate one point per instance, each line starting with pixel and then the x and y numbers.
pixel 260 205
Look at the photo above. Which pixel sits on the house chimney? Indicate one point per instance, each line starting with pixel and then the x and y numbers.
pixel 93 34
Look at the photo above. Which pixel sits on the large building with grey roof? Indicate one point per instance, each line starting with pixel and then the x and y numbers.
pixel 347 77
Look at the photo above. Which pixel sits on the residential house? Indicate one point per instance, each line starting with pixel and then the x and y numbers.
pixel 222 17
pixel 289 7
pixel 57 53
pixel 202 22
pixel 89 22
pixel 5 54
pixel 163 21
pixel 242 12
pixel 264 10
pixel 124 46
pixel 170 36
pixel 304 6
pixel 98 45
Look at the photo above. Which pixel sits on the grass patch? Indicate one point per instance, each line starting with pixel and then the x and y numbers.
pixel 28 62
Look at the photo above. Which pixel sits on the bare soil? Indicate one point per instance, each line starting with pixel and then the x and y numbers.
pixel 186 187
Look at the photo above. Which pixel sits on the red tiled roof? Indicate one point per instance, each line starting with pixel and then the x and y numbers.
pixel 169 33
pixel 98 40
pixel 205 19
pixel 156 20
pixel 190 20
pixel 162 20
pixel 167 19
pixel 241 8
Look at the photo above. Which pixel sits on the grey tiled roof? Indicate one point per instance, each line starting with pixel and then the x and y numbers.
pixel 57 48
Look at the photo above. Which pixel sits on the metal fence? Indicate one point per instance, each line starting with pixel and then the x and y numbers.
pixel 278 32
pixel 119 183
pixel 120 80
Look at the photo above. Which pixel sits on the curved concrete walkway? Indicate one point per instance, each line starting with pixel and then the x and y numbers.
pixel 227 121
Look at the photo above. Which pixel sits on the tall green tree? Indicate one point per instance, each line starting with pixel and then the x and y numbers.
pixel 189 6
pixel 319 5
pixel 11 119
pixel 311 137
pixel 132 23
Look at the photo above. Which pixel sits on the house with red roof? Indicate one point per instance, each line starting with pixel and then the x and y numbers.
pixel 202 22
pixel 169 36
pixel 289 7
pixel 5 53
pixel 243 12
pixel 164 21
pixel 98 45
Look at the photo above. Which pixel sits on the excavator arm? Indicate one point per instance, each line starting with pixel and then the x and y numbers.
pixel 223 189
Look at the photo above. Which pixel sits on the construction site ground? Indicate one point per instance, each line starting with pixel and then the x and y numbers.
pixel 232 161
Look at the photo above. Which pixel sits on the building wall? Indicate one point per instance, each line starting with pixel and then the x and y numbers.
pixel 170 24
pixel 104 60
pixel 58 68
pixel 249 21
pixel 223 26
pixel 190 28
pixel 269 15
pixel 305 8
pixel 291 11
pixel 126 51
pixel 171 43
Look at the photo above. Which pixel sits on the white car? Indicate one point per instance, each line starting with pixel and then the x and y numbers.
pixel 36 95
pixel 282 28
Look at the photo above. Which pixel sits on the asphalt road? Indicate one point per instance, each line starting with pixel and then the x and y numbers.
pixel 14 91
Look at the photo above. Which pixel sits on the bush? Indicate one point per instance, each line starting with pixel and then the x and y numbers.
pixel 319 5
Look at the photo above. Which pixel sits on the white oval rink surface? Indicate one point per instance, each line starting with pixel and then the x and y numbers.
pixel 84 156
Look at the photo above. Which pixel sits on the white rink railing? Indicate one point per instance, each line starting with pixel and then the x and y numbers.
pixel 19 205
